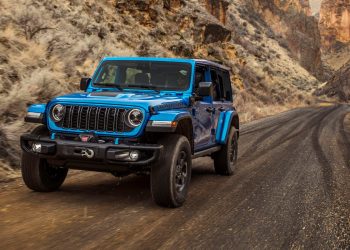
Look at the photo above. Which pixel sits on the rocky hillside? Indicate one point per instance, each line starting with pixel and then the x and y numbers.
pixel 335 59
pixel 46 46
pixel 339 85
pixel 298 30
pixel 335 24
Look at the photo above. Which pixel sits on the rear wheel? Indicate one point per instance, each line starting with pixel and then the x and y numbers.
pixel 37 174
pixel 171 175
pixel 225 160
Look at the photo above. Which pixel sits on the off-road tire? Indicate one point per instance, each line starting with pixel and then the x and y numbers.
pixel 171 175
pixel 225 160
pixel 37 174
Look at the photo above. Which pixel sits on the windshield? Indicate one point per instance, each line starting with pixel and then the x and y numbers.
pixel 144 75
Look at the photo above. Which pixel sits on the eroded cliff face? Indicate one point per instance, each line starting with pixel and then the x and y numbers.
pixel 217 8
pixel 292 20
pixel 299 6
pixel 334 24
pixel 338 85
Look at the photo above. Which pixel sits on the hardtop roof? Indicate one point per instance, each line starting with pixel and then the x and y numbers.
pixel 168 59
pixel 211 63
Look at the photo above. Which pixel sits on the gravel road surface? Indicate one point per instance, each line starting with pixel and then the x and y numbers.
pixel 291 190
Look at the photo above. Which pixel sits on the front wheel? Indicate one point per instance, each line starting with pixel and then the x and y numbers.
pixel 171 175
pixel 225 160
pixel 37 174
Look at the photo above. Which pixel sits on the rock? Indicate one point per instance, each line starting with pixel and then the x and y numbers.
pixel 172 4
pixel 217 8
pixel 216 33
pixel 334 23
pixel 339 85
pixel 182 49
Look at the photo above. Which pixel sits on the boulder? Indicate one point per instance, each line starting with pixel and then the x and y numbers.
pixel 216 33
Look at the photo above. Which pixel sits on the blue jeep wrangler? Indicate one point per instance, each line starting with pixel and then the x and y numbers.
pixel 136 115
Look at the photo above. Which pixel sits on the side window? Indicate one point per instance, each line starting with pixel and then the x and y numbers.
pixel 216 84
pixel 199 77
pixel 227 86
pixel 221 86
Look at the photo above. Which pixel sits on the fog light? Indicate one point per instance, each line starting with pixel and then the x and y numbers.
pixel 36 147
pixel 134 155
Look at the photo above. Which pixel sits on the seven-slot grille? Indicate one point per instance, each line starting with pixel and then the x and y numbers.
pixel 95 118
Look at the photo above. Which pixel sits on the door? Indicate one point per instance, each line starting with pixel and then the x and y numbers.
pixel 222 101
pixel 202 113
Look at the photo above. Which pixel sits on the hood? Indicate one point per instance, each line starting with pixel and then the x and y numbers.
pixel 141 99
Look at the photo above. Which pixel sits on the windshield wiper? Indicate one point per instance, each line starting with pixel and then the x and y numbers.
pixel 143 87
pixel 108 85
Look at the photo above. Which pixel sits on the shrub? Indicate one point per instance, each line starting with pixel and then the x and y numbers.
pixel 30 20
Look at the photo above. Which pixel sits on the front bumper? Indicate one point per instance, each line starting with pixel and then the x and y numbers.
pixel 68 151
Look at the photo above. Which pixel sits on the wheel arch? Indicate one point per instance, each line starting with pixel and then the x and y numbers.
pixel 235 122
pixel 181 123
pixel 227 120
pixel 185 127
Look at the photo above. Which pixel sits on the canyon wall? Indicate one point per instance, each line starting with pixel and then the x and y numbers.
pixel 334 24
pixel 299 6
pixel 292 20
pixel 338 86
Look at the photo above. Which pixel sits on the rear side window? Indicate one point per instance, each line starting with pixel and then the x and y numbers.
pixel 222 85
pixel 227 88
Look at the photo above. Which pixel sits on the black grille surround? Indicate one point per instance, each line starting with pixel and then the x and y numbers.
pixel 102 119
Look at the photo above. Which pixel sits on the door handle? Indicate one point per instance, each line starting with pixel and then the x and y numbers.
pixel 210 109
pixel 222 109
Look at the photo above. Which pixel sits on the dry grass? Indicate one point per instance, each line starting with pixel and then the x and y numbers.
pixel 251 108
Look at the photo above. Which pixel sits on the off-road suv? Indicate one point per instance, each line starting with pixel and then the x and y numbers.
pixel 136 115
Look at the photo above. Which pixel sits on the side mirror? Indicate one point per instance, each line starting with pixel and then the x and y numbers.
pixel 84 83
pixel 205 89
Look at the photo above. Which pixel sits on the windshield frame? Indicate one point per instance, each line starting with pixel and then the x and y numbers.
pixel 95 86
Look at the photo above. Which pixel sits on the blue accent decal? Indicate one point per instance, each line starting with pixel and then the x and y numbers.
pixel 53 136
pixel 219 127
pixel 222 137
pixel 116 141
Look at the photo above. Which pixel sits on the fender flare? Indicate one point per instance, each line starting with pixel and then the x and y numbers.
pixel 36 114
pixel 37 108
pixel 170 121
pixel 224 124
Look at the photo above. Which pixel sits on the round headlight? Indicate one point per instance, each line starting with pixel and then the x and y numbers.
pixel 135 117
pixel 58 112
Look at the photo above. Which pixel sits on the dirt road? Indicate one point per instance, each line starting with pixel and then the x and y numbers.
pixel 291 190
